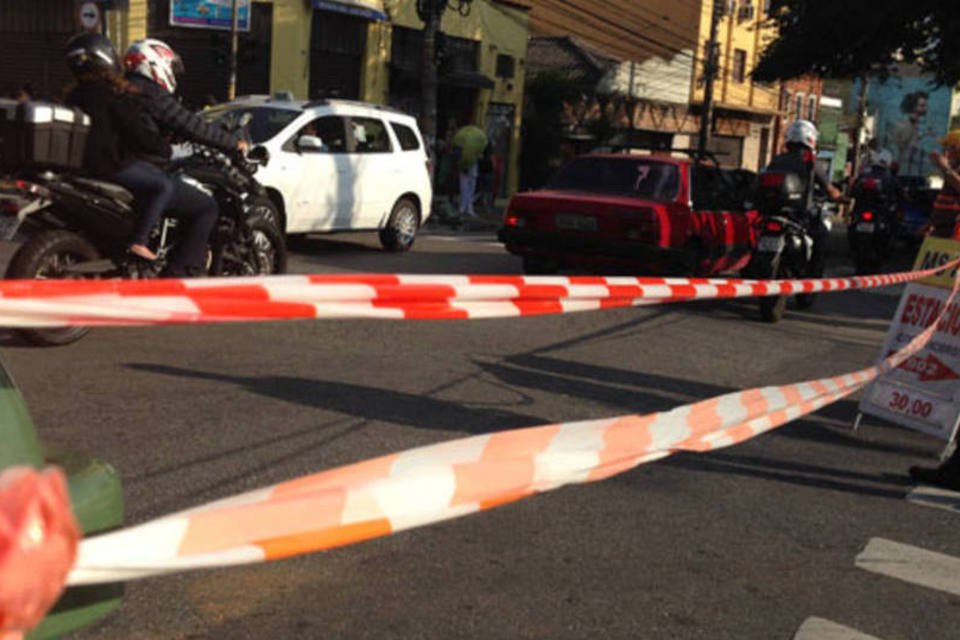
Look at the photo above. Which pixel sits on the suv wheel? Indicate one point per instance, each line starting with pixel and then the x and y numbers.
pixel 401 229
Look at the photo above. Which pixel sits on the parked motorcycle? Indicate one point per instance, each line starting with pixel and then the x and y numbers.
pixel 75 227
pixel 791 240
pixel 871 231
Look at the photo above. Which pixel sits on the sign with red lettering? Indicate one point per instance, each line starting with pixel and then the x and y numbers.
pixel 924 392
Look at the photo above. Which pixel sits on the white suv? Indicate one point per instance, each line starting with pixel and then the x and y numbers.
pixel 338 165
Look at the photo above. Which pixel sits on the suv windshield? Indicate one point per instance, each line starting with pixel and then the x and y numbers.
pixel 636 177
pixel 265 122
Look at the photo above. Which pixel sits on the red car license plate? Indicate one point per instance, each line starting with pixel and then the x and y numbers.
pixel 575 222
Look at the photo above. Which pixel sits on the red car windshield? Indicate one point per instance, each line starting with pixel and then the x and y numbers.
pixel 634 177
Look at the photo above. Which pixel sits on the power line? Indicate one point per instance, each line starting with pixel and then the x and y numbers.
pixel 607 22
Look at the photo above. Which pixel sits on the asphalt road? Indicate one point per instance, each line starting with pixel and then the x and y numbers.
pixel 748 542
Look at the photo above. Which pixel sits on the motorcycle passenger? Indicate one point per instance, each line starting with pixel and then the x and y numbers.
pixel 152 68
pixel 118 135
pixel 800 159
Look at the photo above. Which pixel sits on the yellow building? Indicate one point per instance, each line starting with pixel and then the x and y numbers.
pixel 360 49
pixel 744 109
pixel 650 55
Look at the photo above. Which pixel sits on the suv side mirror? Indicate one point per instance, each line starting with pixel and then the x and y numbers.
pixel 309 143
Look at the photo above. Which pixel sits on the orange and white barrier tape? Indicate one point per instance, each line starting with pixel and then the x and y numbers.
pixel 430 484
pixel 57 303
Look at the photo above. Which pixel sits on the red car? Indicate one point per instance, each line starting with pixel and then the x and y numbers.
pixel 638 213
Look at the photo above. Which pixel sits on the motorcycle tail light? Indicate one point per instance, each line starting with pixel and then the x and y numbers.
pixel 866 216
pixel 772 179
pixel 773 226
pixel 870 184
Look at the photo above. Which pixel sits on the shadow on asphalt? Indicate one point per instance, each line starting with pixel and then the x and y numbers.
pixel 368 403
pixel 814 477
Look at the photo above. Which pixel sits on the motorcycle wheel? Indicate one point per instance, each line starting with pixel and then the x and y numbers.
pixel 865 265
pixel 269 247
pixel 47 255
pixel 806 300
pixel 772 309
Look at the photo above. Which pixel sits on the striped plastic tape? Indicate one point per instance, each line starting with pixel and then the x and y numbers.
pixel 431 484
pixel 55 303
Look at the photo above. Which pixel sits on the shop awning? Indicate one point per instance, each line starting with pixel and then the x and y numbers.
pixel 469 79
pixel 372 9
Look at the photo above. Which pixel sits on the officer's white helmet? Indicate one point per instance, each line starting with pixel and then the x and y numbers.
pixel 803 132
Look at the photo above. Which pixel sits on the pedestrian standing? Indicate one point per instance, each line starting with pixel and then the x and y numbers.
pixel 945 223
pixel 470 141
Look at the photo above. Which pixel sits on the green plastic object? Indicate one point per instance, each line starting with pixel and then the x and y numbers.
pixel 96 496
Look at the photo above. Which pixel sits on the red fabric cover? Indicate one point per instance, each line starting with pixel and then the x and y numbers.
pixel 38 544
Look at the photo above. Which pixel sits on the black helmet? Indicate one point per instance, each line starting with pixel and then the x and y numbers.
pixel 91 52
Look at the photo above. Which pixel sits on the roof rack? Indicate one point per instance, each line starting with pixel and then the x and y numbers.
pixel 323 102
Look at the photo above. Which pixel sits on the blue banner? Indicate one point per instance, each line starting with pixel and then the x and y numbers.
pixel 209 14
pixel 370 9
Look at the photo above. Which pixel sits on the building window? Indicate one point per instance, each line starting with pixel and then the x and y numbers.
pixel 739 65
pixel 506 66
pixel 812 109
pixel 799 106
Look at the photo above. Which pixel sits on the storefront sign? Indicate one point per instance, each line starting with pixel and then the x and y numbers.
pixel 924 392
pixel 209 14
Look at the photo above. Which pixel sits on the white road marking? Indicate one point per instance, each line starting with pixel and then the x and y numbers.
pixel 911 564
pixel 821 629
pixel 936 497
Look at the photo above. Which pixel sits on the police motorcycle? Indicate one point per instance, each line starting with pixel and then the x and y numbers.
pixel 791 238
pixel 72 226
pixel 871 230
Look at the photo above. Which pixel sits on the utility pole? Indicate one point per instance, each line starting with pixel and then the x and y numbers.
pixel 234 47
pixel 861 121
pixel 430 12
pixel 631 102
pixel 710 69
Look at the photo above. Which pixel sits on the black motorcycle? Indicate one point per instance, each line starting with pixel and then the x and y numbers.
pixel 871 231
pixel 75 227
pixel 791 240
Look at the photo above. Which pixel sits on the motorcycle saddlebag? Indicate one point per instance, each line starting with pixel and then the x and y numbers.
pixel 41 135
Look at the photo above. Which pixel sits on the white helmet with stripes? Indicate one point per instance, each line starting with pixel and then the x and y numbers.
pixel 156 60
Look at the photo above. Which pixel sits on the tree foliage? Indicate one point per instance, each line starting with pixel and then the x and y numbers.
pixel 847 38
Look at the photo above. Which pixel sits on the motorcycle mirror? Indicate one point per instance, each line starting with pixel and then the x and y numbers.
pixel 259 154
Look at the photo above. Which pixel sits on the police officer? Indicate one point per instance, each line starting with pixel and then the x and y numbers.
pixel 800 159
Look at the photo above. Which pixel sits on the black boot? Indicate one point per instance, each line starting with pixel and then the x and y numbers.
pixel 947 475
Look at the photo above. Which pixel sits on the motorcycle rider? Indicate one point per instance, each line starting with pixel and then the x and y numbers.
pixel 118 135
pixel 800 159
pixel 152 68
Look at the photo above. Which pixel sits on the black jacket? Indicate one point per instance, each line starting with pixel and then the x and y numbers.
pixel 175 121
pixel 117 135
pixel 804 165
